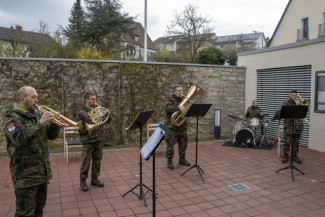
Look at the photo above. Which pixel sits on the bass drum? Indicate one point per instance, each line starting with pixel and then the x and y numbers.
pixel 245 138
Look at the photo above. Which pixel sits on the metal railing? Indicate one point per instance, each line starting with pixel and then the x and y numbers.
pixel 303 34
pixel 321 29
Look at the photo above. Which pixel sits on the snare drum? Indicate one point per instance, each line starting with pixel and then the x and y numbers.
pixel 254 122
pixel 237 126
pixel 245 138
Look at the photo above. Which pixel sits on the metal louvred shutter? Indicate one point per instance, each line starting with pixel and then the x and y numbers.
pixel 274 86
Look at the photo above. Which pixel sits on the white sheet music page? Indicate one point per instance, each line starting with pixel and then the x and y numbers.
pixel 152 143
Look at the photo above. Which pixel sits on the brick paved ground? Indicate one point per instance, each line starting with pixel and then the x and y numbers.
pixel 270 193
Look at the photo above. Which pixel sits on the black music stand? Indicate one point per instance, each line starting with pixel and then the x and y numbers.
pixel 276 116
pixel 151 151
pixel 293 112
pixel 139 122
pixel 197 110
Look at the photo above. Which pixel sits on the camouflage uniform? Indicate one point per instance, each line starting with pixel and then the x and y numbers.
pixel 254 112
pixel 92 145
pixel 29 158
pixel 176 134
pixel 292 135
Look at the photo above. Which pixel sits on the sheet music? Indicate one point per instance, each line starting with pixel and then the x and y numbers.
pixel 152 143
pixel 132 122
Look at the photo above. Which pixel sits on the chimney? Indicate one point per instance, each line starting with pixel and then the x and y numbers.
pixel 19 28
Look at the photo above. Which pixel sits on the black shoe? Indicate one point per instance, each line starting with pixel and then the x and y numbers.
pixel 83 185
pixel 170 163
pixel 296 159
pixel 97 183
pixel 285 158
pixel 184 162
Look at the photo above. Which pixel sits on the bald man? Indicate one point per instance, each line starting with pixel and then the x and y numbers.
pixel 27 131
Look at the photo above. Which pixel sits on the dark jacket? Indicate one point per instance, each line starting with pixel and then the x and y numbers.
pixel 26 146
pixel 254 112
pixel 97 134
pixel 172 103
pixel 288 123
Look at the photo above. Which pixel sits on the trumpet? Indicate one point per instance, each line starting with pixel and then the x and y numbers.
pixel 302 101
pixel 58 118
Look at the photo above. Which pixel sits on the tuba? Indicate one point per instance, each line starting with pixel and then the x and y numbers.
pixel 178 118
pixel 58 118
pixel 98 116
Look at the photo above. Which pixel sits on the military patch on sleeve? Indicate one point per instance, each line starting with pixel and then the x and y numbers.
pixel 11 127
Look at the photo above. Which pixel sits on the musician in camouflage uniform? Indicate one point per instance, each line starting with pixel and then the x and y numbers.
pixel 27 131
pixel 292 130
pixel 92 144
pixel 254 111
pixel 176 134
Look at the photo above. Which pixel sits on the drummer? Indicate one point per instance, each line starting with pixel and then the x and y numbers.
pixel 254 112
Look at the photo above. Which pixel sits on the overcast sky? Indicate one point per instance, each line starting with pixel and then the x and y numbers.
pixel 228 16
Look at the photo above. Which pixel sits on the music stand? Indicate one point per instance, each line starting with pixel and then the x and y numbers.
pixel 139 122
pixel 293 112
pixel 276 117
pixel 197 110
pixel 148 150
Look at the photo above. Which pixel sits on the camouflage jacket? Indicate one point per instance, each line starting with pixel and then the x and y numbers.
pixel 254 112
pixel 172 103
pixel 26 145
pixel 288 123
pixel 97 134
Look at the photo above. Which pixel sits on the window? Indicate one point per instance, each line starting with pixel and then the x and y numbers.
pixel 304 28
pixel 320 92
pixel 136 38
pixel 322 26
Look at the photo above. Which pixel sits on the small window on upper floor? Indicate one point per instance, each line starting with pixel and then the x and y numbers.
pixel 303 31
pixel 136 38
pixel 321 28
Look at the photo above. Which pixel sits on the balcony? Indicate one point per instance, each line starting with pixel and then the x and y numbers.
pixel 321 30
pixel 303 34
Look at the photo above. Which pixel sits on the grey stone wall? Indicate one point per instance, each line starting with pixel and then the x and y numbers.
pixel 126 88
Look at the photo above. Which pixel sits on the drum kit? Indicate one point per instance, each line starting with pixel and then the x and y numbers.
pixel 245 133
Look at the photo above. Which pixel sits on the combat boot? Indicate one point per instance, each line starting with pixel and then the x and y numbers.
pixel 97 183
pixel 83 185
pixel 285 158
pixel 170 163
pixel 296 159
pixel 184 162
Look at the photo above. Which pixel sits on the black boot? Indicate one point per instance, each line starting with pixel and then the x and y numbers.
pixel 170 163
pixel 296 159
pixel 184 162
pixel 83 185
pixel 285 158
pixel 97 183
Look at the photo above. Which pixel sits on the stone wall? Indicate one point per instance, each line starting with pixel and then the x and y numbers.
pixel 126 88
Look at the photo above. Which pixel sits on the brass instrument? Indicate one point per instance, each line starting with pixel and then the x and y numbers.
pixel 303 101
pixel 58 118
pixel 178 118
pixel 98 116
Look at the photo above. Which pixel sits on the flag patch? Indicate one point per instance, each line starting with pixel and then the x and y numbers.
pixel 11 127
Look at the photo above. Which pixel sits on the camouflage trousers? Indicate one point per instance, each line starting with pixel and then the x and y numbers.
pixel 31 201
pixel 91 153
pixel 179 136
pixel 291 139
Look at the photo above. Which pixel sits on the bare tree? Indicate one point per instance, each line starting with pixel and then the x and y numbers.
pixel 194 29
pixel 237 45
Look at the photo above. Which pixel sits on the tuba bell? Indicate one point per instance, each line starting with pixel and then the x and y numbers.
pixel 178 118
pixel 58 118
pixel 98 116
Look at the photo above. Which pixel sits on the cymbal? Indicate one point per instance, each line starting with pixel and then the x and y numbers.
pixel 235 117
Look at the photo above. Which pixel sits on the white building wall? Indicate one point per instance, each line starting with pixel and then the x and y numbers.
pixel 313 55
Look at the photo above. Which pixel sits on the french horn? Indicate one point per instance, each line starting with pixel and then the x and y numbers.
pixel 98 116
